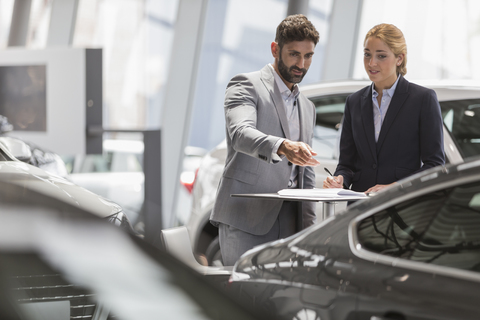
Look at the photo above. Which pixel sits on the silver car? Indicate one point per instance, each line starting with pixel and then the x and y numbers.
pixel 25 175
pixel 460 103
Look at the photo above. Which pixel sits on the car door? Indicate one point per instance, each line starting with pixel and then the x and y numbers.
pixel 430 248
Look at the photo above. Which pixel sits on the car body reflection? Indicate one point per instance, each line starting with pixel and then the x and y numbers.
pixel 410 252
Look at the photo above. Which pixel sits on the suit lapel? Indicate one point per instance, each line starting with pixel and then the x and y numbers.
pixel 398 99
pixel 366 106
pixel 269 82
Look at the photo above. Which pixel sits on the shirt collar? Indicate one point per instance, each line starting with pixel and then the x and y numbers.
pixel 389 91
pixel 284 91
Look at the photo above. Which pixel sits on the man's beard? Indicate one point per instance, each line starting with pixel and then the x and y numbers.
pixel 287 74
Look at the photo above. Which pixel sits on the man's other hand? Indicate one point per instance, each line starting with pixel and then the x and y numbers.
pixel 298 153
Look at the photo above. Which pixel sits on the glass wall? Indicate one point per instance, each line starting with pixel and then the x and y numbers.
pixel 39 23
pixel 237 39
pixel 443 36
pixel 6 9
pixel 136 38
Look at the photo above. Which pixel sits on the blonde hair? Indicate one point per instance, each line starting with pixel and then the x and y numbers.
pixel 393 38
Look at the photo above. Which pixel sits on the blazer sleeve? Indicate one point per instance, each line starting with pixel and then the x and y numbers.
pixel 431 132
pixel 348 148
pixel 241 103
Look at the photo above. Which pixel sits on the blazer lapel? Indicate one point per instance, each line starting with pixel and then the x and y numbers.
pixel 269 82
pixel 398 99
pixel 366 106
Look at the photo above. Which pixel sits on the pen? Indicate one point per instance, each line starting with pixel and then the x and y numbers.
pixel 328 171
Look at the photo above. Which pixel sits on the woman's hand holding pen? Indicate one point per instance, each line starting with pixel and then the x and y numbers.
pixel 333 182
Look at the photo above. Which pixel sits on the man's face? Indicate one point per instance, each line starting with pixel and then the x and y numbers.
pixel 293 60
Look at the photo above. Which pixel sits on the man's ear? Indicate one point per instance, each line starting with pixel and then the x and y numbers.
pixel 275 49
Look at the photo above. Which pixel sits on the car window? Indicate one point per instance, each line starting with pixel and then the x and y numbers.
pixel 108 162
pixel 329 115
pixel 441 228
pixel 462 118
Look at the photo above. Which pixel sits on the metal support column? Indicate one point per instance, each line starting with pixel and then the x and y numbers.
pixel 342 40
pixel 180 90
pixel 297 6
pixel 152 203
pixel 328 210
pixel 62 22
pixel 19 24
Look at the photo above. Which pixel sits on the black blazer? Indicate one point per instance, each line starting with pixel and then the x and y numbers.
pixel 410 141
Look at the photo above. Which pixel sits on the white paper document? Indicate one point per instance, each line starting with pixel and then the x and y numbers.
pixel 321 193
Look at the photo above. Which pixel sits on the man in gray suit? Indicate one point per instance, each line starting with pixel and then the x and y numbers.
pixel 269 129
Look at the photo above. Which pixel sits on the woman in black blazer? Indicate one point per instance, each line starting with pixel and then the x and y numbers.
pixel 391 129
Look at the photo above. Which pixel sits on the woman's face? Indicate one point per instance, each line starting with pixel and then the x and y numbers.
pixel 380 63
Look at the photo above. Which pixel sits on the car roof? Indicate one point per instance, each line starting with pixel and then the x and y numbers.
pixel 446 89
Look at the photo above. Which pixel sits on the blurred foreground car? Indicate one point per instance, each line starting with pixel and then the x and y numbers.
pixel 410 252
pixel 59 260
pixel 460 103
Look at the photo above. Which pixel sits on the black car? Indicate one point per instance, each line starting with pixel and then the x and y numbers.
pixel 63 257
pixel 410 252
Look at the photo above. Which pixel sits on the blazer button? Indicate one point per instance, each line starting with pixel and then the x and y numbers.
pixel 289 163
pixel 374 166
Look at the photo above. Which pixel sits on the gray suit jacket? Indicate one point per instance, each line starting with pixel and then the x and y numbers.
pixel 255 119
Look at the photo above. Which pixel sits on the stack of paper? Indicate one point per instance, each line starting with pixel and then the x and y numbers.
pixel 321 193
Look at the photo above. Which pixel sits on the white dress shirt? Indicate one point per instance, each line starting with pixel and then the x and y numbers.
pixel 379 112
pixel 289 98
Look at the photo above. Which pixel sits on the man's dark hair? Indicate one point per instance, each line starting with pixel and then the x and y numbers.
pixel 296 28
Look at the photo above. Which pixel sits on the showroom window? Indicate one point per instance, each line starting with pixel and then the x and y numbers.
pixel 443 37
pixel 6 9
pixel 329 111
pixel 136 38
pixel 441 228
pixel 462 118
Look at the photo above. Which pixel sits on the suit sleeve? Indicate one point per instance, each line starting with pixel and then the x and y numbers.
pixel 348 149
pixel 241 99
pixel 431 132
